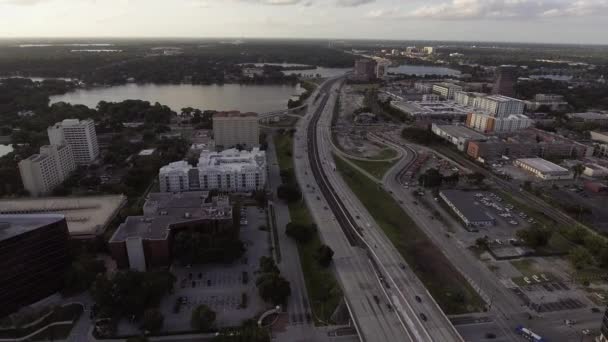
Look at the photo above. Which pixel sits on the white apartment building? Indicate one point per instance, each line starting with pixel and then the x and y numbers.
pixel 423 87
pixel 468 98
pixel 41 173
pixel 490 124
pixel 230 171
pixel 446 90
pixel 500 105
pixel 430 98
pixel 80 135
pixel 235 128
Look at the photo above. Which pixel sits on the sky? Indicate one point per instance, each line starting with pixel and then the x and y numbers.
pixel 550 21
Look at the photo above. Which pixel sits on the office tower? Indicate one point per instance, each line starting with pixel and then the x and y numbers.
pixel 506 76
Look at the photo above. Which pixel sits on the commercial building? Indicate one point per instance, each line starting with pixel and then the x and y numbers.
pixel 446 90
pixel 599 136
pixel 432 110
pixel 594 170
pixel 41 173
pixel 544 169
pixel 551 101
pixel 490 124
pixel 506 77
pixel 80 135
pixel 86 217
pixel 231 129
pixel 230 171
pixel 468 98
pixel 365 69
pixel 144 242
pixel 465 206
pixel 530 142
pixel 34 257
pixel 596 118
pixel 457 135
pixel 429 50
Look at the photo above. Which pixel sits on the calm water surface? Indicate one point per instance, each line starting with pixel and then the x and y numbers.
pixel 245 98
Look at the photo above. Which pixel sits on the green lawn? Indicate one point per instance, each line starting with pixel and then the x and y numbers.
pixel 323 289
pixel 377 168
pixel 386 153
pixel 444 282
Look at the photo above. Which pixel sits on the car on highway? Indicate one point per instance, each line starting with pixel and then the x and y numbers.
pixel 423 316
pixel 418 299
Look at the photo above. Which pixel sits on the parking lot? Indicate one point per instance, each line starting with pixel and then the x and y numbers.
pixel 229 290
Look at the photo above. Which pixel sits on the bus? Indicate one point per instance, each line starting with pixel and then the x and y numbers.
pixel 529 334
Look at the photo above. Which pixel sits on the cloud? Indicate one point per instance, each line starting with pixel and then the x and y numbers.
pixel 276 2
pixel 498 9
pixel 353 3
pixel 21 2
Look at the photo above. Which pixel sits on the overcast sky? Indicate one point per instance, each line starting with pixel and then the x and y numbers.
pixel 555 21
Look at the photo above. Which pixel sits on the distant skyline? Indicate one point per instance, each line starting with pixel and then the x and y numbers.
pixel 539 21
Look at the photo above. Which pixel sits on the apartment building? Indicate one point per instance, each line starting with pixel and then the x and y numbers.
pixel 500 105
pixel 446 90
pixel 229 171
pixel 490 124
pixel 41 173
pixel 234 128
pixel 80 135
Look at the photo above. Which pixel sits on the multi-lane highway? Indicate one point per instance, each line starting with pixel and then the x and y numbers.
pixel 397 299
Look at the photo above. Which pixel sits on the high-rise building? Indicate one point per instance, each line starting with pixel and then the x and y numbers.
pixel 33 258
pixel 446 90
pixel 80 135
pixel 41 173
pixel 506 77
pixel 492 124
pixel 228 171
pixel 234 128
pixel 365 69
pixel 500 105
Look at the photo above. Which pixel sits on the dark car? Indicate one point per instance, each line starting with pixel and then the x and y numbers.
pixel 418 299
pixel 423 316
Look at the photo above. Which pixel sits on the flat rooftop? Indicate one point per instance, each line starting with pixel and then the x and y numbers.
pixel 461 132
pixel 163 210
pixel 542 165
pixel 14 225
pixel 468 205
pixel 84 215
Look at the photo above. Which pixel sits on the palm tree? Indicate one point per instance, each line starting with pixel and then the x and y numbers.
pixel 578 170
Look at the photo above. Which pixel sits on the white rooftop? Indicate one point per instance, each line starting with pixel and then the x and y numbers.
pixel 231 159
pixel 542 165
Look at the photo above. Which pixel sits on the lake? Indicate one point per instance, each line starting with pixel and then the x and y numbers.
pixel 5 149
pixel 244 98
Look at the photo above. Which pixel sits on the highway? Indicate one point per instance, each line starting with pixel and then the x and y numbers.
pixel 363 252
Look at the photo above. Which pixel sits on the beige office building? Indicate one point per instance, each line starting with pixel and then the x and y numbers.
pixel 235 128
pixel 42 172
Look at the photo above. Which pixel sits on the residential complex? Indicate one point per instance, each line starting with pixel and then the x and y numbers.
pixel 143 242
pixel 549 101
pixel 231 129
pixel 80 135
pixel 34 257
pixel 494 105
pixel 41 173
pixel 446 90
pixel 492 124
pixel 544 169
pixel 230 171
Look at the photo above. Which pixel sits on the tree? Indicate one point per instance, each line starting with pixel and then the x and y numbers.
pixel 535 237
pixel 289 192
pixel 430 179
pixel 153 320
pixel 476 178
pixel 302 233
pixel 82 274
pixel 324 255
pixel 138 339
pixel 580 257
pixel 202 318
pixel 248 332
pixel 267 265
pixel 578 170
pixel 273 288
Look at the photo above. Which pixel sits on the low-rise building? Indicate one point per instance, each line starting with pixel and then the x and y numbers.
pixel 465 206
pixel 457 135
pixel 594 170
pixel 599 136
pixel 34 256
pixel 144 242
pixel 551 101
pixel 544 169
pixel 596 118
pixel 442 110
